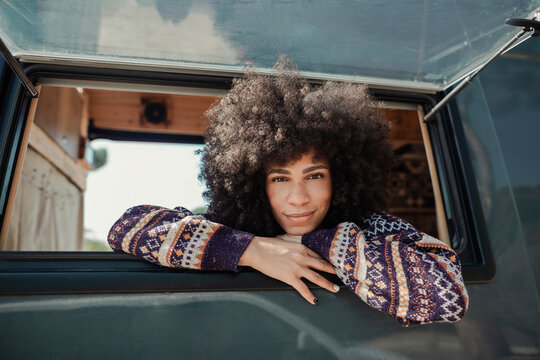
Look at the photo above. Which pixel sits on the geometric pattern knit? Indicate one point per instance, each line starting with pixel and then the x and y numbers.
pixel 389 264
pixel 177 238
pixel 396 269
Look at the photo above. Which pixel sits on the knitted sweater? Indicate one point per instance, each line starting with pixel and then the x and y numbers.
pixel 390 265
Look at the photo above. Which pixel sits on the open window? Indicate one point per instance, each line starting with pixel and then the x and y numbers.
pixel 48 211
pixel 70 116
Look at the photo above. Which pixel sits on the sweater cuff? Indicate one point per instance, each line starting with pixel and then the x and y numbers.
pixel 320 241
pixel 225 249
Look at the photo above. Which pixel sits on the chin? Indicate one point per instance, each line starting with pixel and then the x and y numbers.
pixel 299 231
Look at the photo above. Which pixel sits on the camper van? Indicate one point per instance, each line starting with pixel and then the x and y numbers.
pixel 94 94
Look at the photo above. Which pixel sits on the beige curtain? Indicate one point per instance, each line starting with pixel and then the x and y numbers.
pixel 47 213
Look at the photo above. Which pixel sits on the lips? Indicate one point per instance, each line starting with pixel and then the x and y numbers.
pixel 299 217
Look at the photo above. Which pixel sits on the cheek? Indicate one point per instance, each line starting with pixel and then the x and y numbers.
pixel 324 194
pixel 273 196
pixel 328 198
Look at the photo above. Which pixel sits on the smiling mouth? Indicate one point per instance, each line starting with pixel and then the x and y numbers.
pixel 300 217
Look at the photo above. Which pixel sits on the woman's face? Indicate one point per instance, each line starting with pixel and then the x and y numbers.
pixel 299 194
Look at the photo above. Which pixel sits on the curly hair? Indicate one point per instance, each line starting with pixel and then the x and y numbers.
pixel 274 120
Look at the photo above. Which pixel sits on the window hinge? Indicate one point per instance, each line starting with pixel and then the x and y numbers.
pixel 528 25
pixel 16 67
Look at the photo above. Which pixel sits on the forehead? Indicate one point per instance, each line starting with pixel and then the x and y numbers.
pixel 307 159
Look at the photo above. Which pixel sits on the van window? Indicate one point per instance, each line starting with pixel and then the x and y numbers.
pixel 80 171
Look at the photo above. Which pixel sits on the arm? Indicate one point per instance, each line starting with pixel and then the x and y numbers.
pixel 395 268
pixel 177 238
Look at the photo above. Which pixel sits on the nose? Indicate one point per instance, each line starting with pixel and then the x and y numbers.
pixel 298 195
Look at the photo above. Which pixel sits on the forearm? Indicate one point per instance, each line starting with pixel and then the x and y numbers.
pixel 409 275
pixel 177 238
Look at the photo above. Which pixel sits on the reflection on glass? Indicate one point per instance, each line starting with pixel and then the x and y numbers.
pixel 413 41
pixel 514 261
pixel 164 30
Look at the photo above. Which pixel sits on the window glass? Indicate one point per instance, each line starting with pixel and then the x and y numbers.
pixel 417 43
pixel 514 80
pixel 514 262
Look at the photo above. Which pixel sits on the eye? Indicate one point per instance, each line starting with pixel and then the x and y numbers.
pixel 278 179
pixel 315 176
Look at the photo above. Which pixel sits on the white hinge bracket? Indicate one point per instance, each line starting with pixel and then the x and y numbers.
pixel 528 25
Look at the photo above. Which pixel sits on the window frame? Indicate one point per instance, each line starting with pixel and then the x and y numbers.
pixel 14 107
pixel 452 157
pixel 98 272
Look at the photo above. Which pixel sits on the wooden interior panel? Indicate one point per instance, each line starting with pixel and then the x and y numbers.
pixel 442 227
pixel 59 131
pixel 405 127
pixel 12 192
pixel 75 170
pixel 59 114
pixel 124 110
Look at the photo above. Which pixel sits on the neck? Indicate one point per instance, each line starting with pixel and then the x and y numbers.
pixel 291 238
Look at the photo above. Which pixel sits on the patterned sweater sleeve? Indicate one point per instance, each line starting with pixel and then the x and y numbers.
pixel 177 238
pixel 396 269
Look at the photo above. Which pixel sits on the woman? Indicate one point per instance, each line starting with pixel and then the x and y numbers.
pixel 306 170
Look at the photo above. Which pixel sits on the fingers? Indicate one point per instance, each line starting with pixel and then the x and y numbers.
pixel 288 262
pixel 317 279
pixel 313 253
pixel 304 291
pixel 320 264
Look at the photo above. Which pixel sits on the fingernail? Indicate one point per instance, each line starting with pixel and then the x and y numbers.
pixel 315 301
pixel 336 287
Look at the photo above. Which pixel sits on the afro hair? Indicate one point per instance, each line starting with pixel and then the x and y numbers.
pixel 273 120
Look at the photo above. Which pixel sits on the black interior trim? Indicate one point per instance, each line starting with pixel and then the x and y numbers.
pixel 120 135
pixel 36 71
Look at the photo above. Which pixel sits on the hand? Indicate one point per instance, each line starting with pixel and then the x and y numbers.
pixel 288 262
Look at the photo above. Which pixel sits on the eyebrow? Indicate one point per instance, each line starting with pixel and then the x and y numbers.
pixel 313 168
pixel 305 171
